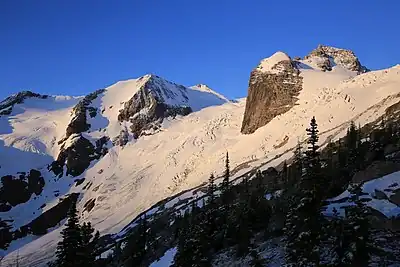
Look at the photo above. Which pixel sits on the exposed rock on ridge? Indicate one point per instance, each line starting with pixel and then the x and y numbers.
pixel 7 104
pixel 79 123
pixel 76 157
pixel 78 154
pixel 149 106
pixel 273 88
pixel 332 55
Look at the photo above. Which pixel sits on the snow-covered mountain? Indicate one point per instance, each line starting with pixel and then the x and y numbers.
pixel 123 148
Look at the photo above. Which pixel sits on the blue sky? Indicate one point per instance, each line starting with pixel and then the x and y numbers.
pixel 74 47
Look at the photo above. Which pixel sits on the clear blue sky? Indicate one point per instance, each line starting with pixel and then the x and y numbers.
pixel 74 47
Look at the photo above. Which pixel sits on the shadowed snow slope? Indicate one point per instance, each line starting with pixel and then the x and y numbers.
pixel 185 149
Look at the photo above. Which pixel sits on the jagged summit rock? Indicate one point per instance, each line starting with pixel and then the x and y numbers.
pixel 331 55
pixel 157 99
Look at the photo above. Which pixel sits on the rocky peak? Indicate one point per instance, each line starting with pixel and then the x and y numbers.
pixel 155 100
pixel 330 56
pixel 79 121
pixel 273 87
pixel 7 104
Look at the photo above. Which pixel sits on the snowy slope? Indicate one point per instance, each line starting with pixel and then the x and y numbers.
pixel 131 178
pixel 31 131
pixel 268 64
pixel 166 260
pixel 385 185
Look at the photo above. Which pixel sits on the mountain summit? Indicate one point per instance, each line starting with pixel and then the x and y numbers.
pixel 277 81
pixel 330 56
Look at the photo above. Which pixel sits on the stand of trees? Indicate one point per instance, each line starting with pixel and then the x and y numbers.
pixel 238 216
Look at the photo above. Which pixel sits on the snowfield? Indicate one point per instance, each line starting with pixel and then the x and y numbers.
pixel 130 179
pixel 166 260
pixel 29 135
pixel 385 185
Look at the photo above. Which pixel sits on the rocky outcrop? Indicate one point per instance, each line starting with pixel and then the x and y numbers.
pixel 328 56
pixel 122 139
pixel 76 151
pixel 77 155
pixel 148 107
pixel 79 122
pixel 7 104
pixel 17 190
pixel 273 88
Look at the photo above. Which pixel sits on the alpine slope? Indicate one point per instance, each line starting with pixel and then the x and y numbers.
pixel 122 149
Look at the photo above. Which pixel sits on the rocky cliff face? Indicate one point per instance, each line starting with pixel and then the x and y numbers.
pixel 273 88
pixel 77 151
pixel 329 56
pixel 80 112
pixel 149 106
pixel 76 155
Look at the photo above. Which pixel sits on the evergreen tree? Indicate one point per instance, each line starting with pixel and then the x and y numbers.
pixel 355 159
pixel 339 242
pixel 193 248
pixel 211 213
pixel 357 231
pixel 135 249
pixel 68 249
pixel 243 224
pixel 285 173
pixel 87 250
pixel 225 182
pixel 351 235
pixel 352 135
pixel 259 207
pixel 298 164
pixel 211 190
pixel 312 180
pixel 182 256
pixel 304 220
pixel 260 187
pixel 78 246
pixel 303 230
pixel 226 199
